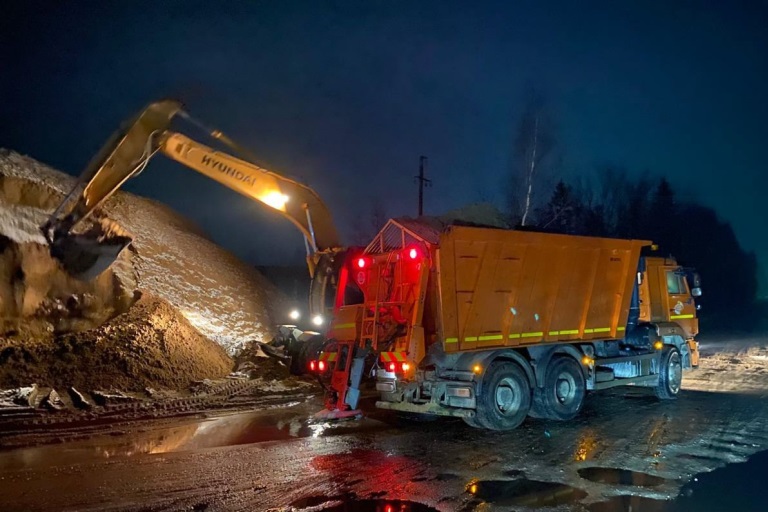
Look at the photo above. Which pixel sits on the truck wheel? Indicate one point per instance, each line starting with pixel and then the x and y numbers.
pixel 472 422
pixel 563 393
pixel 505 397
pixel 670 374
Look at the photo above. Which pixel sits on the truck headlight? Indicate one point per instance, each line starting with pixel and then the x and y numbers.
pixel 318 319
pixel 294 314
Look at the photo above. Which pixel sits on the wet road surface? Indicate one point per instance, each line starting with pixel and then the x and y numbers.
pixel 625 450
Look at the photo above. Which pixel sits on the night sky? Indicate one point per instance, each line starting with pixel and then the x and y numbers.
pixel 346 95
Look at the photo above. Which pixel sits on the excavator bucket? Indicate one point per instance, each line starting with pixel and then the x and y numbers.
pixel 85 257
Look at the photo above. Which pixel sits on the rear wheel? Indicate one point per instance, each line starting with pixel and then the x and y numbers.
pixel 505 397
pixel 670 374
pixel 563 393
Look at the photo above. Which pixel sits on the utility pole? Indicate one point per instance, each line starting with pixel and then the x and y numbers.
pixel 423 182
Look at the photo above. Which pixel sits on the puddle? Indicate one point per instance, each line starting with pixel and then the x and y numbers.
pixel 186 435
pixel 616 476
pixel 350 504
pixel 524 492
pixel 631 503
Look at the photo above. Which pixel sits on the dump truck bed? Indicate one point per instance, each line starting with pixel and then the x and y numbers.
pixel 514 288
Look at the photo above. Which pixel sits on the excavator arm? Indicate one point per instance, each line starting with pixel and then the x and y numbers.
pixel 129 151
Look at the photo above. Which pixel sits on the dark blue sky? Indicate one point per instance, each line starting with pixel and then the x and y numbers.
pixel 347 95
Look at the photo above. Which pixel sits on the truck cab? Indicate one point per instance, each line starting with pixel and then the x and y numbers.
pixel 667 295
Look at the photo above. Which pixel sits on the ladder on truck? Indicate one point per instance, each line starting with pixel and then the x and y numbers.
pixel 350 363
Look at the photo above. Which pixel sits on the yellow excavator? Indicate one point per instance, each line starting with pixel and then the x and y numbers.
pixel 126 154
pixel 86 250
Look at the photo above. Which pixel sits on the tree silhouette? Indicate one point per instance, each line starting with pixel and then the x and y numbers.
pixel 694 234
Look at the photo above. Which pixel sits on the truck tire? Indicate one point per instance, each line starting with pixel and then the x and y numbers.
pixel 505 397
pixel 563 393
pixel 670 374
pixel 472 422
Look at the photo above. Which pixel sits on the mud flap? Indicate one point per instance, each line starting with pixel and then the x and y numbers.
pixel 355 377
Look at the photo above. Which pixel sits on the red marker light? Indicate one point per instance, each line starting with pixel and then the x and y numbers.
pixel 389 508
pixel 312 365
pixel 413 253
pixel 391 367
pixel 361 263
pixel 321 366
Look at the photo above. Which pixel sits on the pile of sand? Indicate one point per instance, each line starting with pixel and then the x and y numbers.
pixel 150 345
pixel 225 299
pixel 200 304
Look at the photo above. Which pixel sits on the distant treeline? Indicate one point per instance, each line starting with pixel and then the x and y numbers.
pixel 624 207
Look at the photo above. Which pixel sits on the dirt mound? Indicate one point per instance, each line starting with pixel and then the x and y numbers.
pixel 200 302
pixel 150 345
pixel 225 299
pixel 37 296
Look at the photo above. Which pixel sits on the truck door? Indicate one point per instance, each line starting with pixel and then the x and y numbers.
pixel 680 305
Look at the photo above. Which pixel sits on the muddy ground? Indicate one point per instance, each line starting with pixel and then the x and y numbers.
pixel 626 451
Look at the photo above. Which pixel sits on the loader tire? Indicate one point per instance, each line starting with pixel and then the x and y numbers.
pixel 505 397
pixel 563 393
pixel 670 374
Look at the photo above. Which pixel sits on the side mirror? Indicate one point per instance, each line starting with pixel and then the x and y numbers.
pixel 696 280
pixel 696 291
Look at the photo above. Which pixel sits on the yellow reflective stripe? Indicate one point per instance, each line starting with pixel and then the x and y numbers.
pixel 327 356
pixel 451 340
pixel 532 334
pixel 588 331
pixel 602 329
pixel 621 328
pixel 344 326
pixel 490 337
pixel 570 331
pixel 514 336
pixel 680 317
pixel 554 333
pixel 470 338
pixel 388 357
pixel 332 356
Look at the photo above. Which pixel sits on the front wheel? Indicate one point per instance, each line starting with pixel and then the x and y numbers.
pixel 670 374
pixel 505 397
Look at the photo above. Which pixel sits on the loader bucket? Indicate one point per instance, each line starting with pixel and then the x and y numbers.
pixel 84 257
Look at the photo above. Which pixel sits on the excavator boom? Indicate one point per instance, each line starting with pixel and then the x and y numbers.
pixel 128 152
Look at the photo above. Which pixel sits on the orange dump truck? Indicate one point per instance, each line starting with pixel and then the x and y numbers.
pixel 492 325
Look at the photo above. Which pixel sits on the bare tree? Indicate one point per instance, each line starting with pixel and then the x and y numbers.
pixel 533 157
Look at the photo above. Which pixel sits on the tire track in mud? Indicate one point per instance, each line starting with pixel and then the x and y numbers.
pixel 34 426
